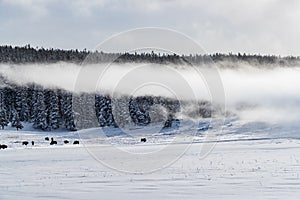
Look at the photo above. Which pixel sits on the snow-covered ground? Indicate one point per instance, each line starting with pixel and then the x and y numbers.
pixel 249 160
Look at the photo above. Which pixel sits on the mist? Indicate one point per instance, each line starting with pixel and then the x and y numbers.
pixel 255 93
pixel 260 94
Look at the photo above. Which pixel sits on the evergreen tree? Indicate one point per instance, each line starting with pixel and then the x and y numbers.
pixel 16 122
pixel 9 101
pixel 104 110
pixel 31 102
pixel 21 104
pixel 39 113
pixel 3 119
pixel 68 114
pixel 53 111
pixel 120 108
pixel 84 106
pixel 139 110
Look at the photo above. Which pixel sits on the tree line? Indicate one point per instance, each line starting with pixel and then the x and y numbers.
pixel 28 54
pixel 46 109
pixel 50 109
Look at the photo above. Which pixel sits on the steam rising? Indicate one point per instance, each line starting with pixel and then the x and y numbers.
pixel 271 95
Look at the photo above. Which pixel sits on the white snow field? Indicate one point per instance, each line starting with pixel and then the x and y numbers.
pixel 253 163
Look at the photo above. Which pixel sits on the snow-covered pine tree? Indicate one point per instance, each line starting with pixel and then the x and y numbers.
pixel 59 93
pixel 14 118
pixel 68 114
pixel 30 101
pixel 21 104
pixel 100 109
pixel 53 110
pixel 139 110
pixel 104 110
pixel 3 117
pixel 16 122
pixel 133 110
pixel 39 112
pixel 120 110
pixel 83 106
pixel 9 101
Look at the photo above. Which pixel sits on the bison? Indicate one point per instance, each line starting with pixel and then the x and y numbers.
pixel 66 141
pixel 53 142
pixel 76 142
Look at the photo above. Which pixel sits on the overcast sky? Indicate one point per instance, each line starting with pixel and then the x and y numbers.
pixel 251 26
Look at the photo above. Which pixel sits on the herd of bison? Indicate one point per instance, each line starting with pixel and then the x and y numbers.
pixel 51 142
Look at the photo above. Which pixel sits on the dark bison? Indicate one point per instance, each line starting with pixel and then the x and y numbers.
pixel 25 143
pixel 143 139
pixel 47 138
pixel 53 142
pixel 32 143
pixel 3 146
pixel 76 142
pixel 66 141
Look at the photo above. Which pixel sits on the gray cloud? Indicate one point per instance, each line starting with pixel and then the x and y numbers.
pixel 251 26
